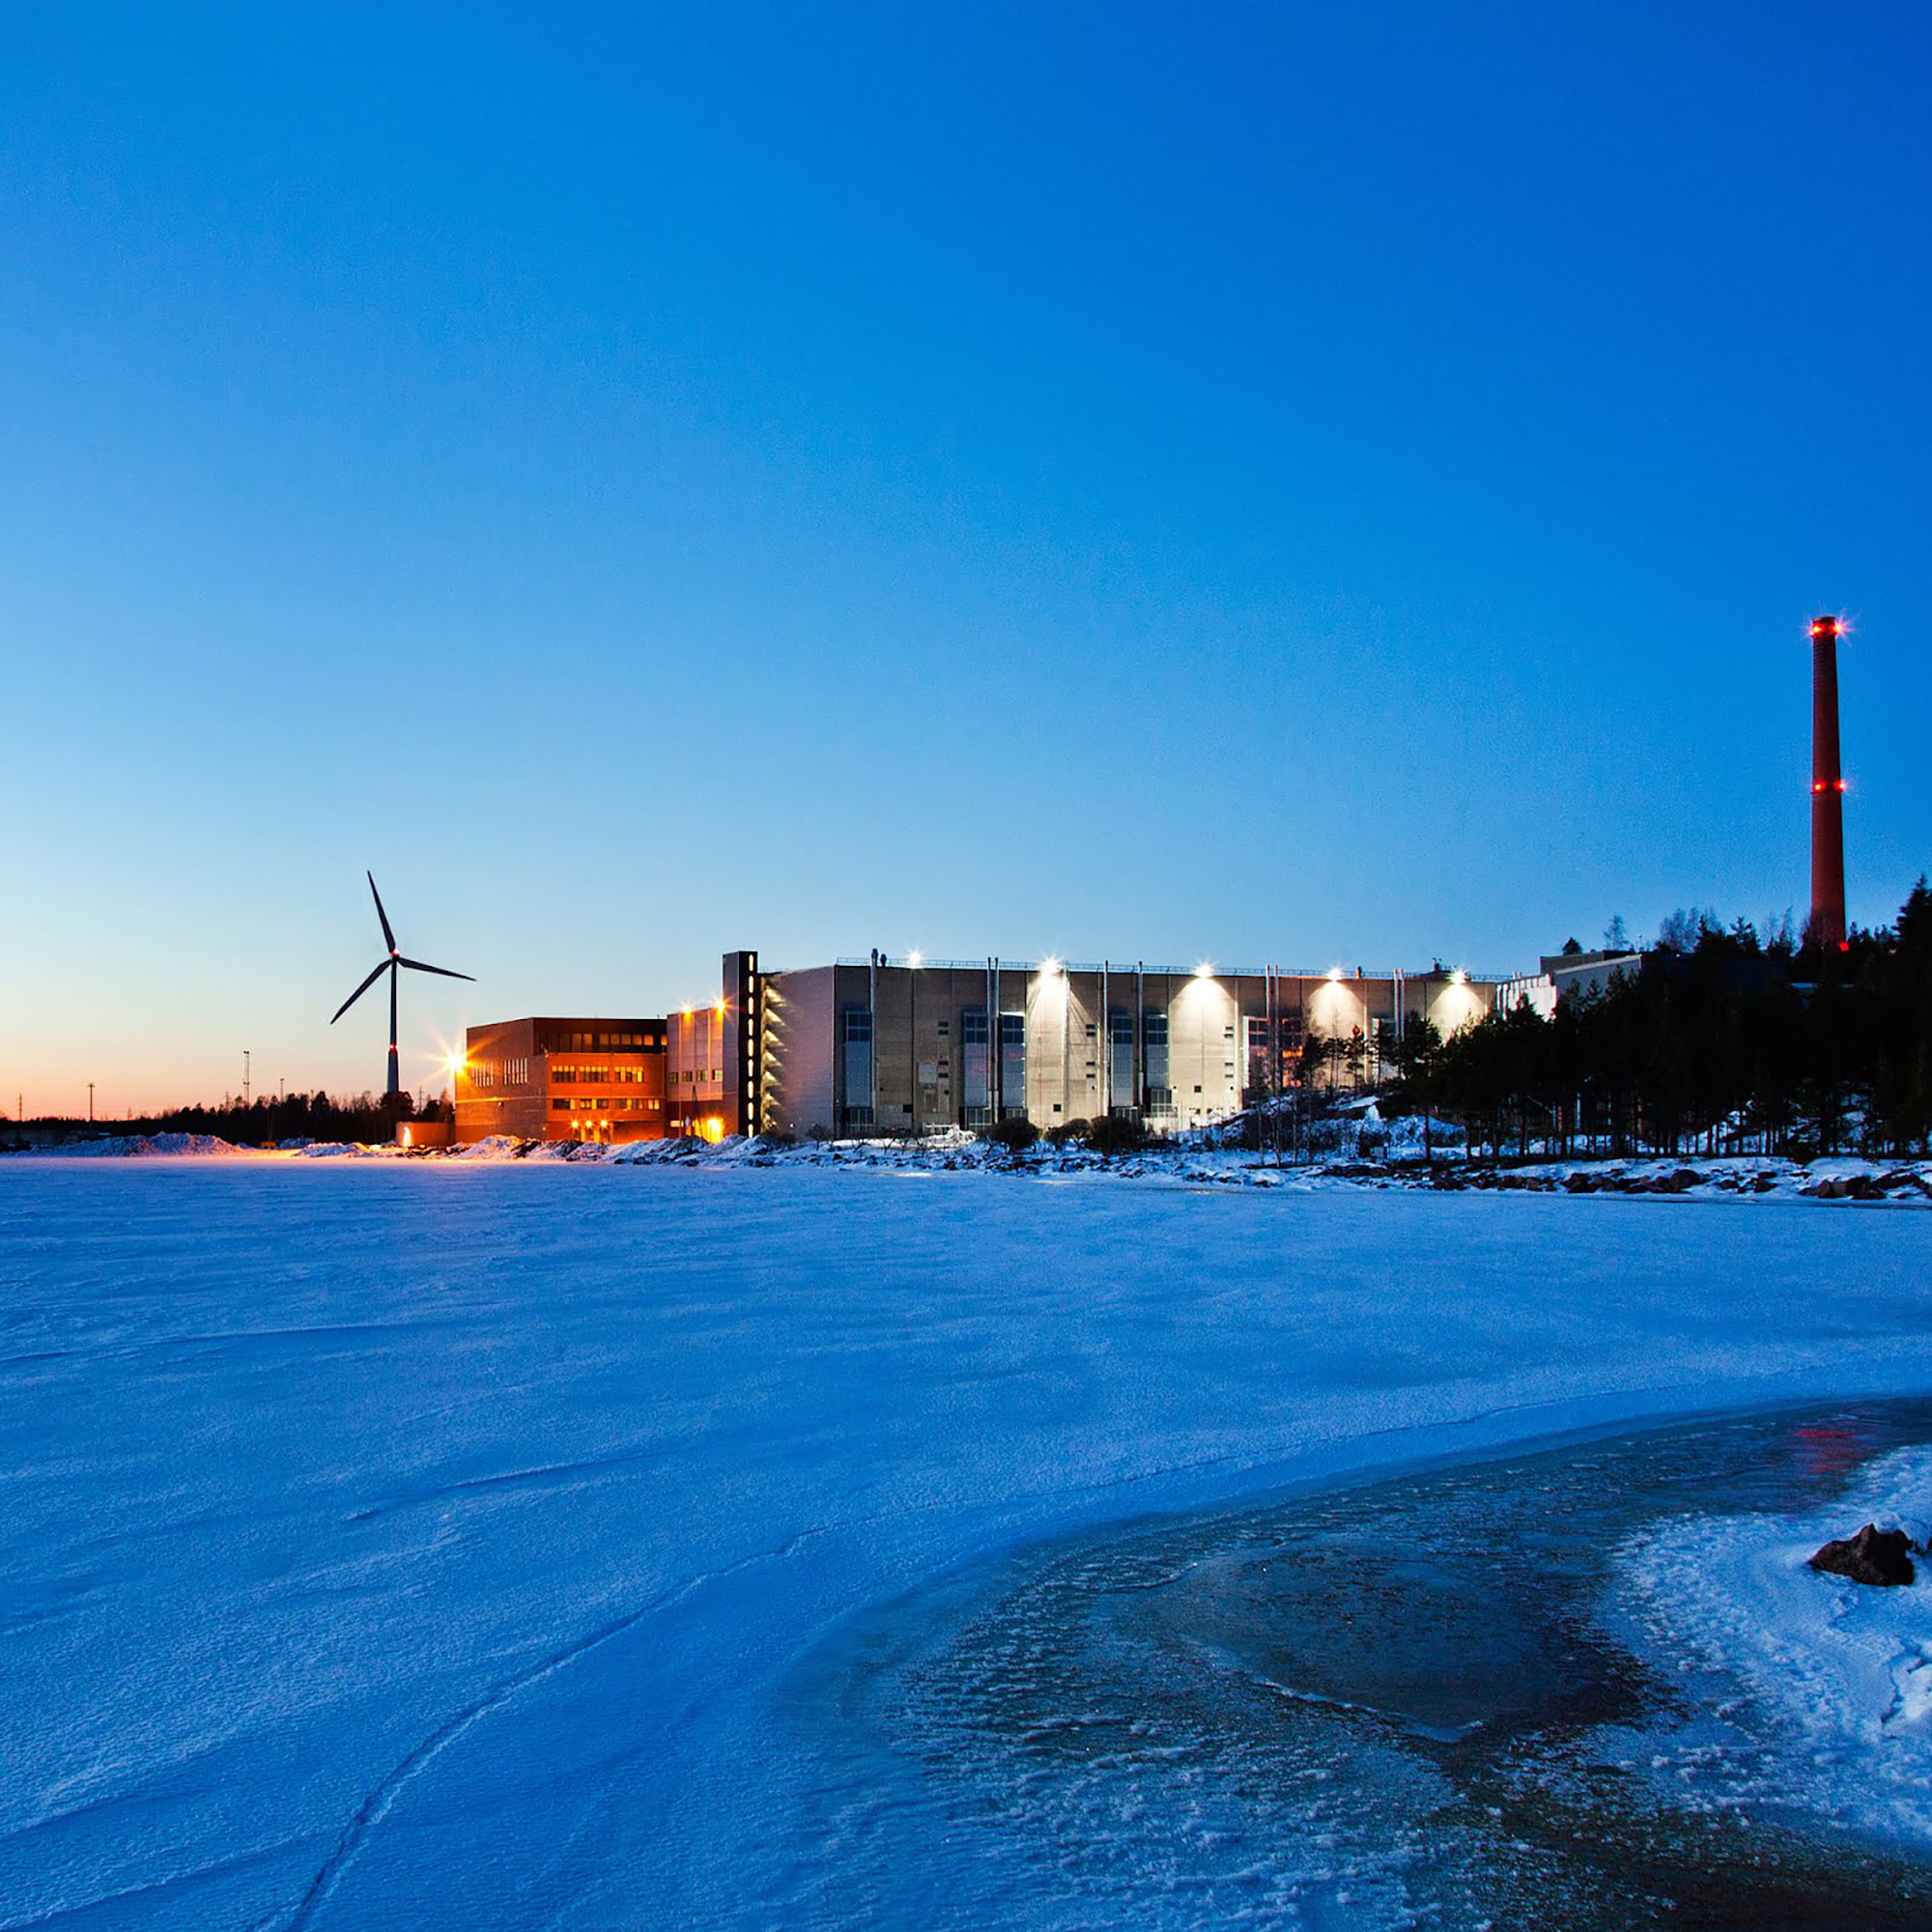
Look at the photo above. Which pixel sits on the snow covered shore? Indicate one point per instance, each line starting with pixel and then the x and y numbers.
pixel 1196 1160
pixel 1837 1675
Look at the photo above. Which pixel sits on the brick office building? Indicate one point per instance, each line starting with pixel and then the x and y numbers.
pixel 563 1080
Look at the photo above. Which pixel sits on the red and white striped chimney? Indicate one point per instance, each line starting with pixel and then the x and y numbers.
pixel 1827 924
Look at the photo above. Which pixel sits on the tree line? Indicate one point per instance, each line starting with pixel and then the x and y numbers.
pixel 270 1120
pixel 1720 1040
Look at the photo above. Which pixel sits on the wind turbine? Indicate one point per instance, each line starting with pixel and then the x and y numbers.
pixel 392 966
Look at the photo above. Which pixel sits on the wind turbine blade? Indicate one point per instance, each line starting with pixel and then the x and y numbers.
pixel 359 991
pixel 389 937
pixel 416 966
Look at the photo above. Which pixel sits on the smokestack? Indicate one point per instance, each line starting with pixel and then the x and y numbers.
pixel 1827 924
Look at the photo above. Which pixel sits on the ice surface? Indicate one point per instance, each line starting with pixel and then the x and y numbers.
pixel 435 1543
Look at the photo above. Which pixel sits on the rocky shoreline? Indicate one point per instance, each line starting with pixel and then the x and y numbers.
pixel 1194 1161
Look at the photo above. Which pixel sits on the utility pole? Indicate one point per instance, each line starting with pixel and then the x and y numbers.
pixel 89 1103
pixel 244 1076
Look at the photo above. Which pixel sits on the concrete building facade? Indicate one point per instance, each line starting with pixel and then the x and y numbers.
pixel 904 1045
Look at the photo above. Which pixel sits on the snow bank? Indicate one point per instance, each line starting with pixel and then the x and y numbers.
pixel 145 1146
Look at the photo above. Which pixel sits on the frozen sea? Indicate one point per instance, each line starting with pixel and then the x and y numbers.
pixel 442 1544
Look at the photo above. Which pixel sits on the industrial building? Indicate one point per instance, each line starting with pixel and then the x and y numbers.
pixel 596 1079
pixel 562 1080
pixel 902 1045
pixel 905 1045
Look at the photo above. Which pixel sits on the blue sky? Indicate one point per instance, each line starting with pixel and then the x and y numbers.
pixel 1305 485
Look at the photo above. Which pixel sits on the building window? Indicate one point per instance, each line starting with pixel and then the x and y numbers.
pixel 1012 1064
pixel 560 1106
pixel 1120 1059
pixel 1153 1035
pixel 856 1049
pixel 1258 1073
pixel 975 1070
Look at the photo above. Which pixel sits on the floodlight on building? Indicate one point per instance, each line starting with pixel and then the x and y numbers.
pixel 1459 978
pixel 1048 966
pixel 721 1009
pixel 1205 969
pixel 915 958
pixel 1335 973
pixel 687 1010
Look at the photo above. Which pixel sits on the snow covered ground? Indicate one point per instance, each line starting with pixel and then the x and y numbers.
pixel 436 1543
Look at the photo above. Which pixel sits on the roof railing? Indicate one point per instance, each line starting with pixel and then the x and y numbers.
pixel 1345 973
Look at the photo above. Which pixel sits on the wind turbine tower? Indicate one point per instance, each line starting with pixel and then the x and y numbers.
pixel 393 966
